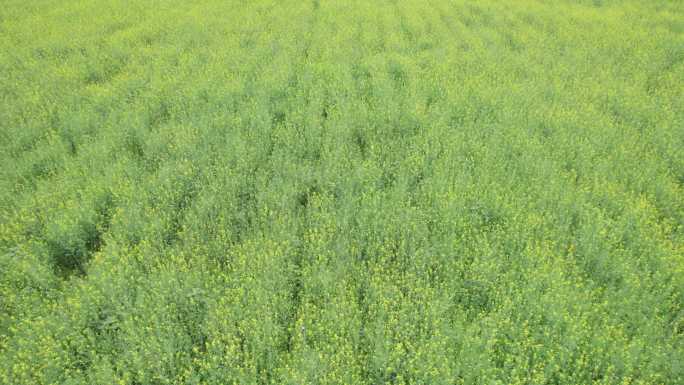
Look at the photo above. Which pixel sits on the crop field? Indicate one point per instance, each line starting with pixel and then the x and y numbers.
pixel 341 192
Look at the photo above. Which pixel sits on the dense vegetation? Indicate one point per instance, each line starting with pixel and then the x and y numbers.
pixel 328 192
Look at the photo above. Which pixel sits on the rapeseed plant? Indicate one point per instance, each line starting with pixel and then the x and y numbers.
pixel 341 192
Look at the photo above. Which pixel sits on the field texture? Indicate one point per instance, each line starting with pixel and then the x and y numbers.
pixel 341 192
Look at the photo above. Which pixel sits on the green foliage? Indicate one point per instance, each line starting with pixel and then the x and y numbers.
pixel 386 192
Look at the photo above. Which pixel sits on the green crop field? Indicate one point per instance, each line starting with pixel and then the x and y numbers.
pixel 341 192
